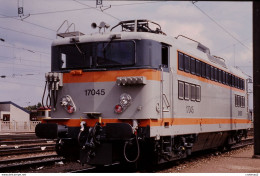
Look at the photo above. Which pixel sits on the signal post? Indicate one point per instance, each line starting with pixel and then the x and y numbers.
pixel 256 77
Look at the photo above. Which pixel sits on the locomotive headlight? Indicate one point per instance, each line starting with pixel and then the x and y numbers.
pixel 70 109
pixel 64 101
pixel 68 104
pixel 125 100
pixel 118 109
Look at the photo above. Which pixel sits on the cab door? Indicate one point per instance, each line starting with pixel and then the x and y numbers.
pixel 166 82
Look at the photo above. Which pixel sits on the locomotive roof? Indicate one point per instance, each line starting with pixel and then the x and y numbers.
pixel 191 49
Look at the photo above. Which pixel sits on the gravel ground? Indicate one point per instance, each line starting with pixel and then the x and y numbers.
pixel 236 161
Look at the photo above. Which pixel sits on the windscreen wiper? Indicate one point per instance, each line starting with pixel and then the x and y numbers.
pixel 112 38
pixel 82 53
pixel 75 43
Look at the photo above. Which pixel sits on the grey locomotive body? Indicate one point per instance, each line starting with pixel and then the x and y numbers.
pixel 140 95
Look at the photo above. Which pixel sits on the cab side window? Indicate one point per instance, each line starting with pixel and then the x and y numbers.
pixel 165 56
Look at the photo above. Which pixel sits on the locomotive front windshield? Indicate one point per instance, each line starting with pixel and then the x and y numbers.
pixel 74 56
pixel 115 54
pixel 94 55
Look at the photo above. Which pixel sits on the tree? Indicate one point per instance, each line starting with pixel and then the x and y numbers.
pixel 33 107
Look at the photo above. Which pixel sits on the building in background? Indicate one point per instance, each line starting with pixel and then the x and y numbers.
pixel 10 111
pixel 14 118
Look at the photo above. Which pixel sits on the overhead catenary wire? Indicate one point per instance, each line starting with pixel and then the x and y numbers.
pixel 31 23
pixel 50 12
pixel 139 3
pixel 80 9
pixel 30 50
pixel 23 77
pixel 9 29
pixel 33 75
pixel 38 25
pixel 227 47
pixel 23 69
pixel 23 74
pixel 61 11
pixel 19 83
pixel 225 30
pixel 98 10
pixel 245 66
pixel 22 59
pixel 24 64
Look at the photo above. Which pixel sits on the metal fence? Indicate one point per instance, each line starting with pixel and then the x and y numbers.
pixel 18 126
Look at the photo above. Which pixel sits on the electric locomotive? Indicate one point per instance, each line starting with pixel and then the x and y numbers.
pixel 139 95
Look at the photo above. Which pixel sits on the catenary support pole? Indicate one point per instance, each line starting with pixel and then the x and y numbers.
pixel 256 76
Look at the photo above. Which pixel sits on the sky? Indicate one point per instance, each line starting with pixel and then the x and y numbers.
pixel 25 40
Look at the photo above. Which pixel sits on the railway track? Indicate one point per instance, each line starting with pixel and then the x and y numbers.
pixel 202 155
pixel 22 163
pixel 243 143
pixel 20 151
pixel 16 136
pixel 26 149
pixel 113 168
pixel 49 159
pixel 22 141
pixel 24 145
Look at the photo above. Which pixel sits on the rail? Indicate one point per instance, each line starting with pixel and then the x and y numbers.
pixel 26 149
pixel 22 163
